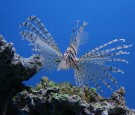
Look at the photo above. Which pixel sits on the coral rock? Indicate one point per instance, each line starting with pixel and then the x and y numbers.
pixel 53 99
pixel 13 70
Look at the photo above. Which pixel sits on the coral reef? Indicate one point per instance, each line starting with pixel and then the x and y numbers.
pixel 48 97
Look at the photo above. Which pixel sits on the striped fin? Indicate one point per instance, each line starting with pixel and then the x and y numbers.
pixel 101 61
pixel 95 73
pixel 102 80
pixel 92 68
pixel 70 55
pixel 50 57
pixel 33 28
pixel 114 49
pixel 38 42
pixel 113 69
pixel 110 54
pixel 107 55
pixel 75 31
pixel 105 52
pixel 39 24
pixel 40 30
pixel 115 59
pixel 106 84
pixel 33 38
pixel 41 27
pixel 75 39
pixel 106 44
pixel 111 78
pixel 96 84
pixel 84 78
pixel 28 35
pixel 116 54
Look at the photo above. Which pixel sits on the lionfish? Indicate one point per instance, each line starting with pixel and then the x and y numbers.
pixel 89 68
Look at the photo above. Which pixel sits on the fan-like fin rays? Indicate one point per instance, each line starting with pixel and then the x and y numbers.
pixel 90 68
pixel 38 28
pixel 42 41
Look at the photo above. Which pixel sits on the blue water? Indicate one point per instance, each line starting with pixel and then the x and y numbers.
pixel 107 20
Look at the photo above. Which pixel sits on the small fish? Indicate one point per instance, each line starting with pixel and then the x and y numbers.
pixel 89 68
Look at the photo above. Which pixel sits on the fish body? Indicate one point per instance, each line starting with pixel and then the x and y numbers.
pixel 89 68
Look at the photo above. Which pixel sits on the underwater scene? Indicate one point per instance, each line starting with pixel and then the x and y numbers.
pixel 67 57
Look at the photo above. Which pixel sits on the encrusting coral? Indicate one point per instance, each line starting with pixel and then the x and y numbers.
pixel 48 97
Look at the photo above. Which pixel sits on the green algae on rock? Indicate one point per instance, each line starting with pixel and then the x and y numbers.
pixel 50 98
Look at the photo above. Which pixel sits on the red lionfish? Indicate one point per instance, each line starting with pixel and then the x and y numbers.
pixel 90 67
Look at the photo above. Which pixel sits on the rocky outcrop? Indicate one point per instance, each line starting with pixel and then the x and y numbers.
pixel 49 98
pixel 13 70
